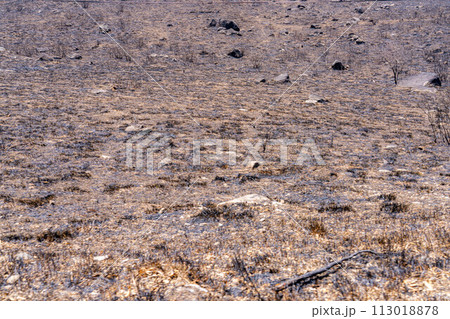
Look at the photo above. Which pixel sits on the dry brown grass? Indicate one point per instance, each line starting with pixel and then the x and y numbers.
pixel 77 224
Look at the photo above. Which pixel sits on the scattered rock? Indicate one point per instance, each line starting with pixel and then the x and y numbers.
pixel 425 81
pixel 360 42
pixel 75 56
pixel 98 91
pixel 101 258
pixel 282 78
pixel 228 24
pixel 243 178
pixel 42 50
pixel 315 26
pixel 236 53
pixel 45 57
pixel 253 164
pixel 248 199
pixel 2 49
pixel 313 99
pixel 228 32
pixel 390 146
pixel 132 128
pixel 337 65
pixel 104 28
pixel 12 279
pixel 213 23
pixel 261 79
pixel 353 37
pixel 359 10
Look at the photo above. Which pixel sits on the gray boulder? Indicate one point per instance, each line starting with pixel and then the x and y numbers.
pixel 236 53
pixel 282 78
pixel 424 81
pixel 228 24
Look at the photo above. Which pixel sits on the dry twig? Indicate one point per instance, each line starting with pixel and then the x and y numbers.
pixel 293 281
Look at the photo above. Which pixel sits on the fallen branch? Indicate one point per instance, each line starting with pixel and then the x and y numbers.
pixel 293 281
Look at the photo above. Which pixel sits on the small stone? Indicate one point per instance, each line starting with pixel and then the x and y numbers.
pixel 236 53
pixel 315 26
pixel 13 279
pixel 133 128
pixel 337 65
pixel 213 23
pixel 45 57
pixel 282 78
pixel 75 56
pixel 248 199
pixel 313 99
pixel 98 91
pixel 104 28
pixel 101 258
pixel 353 37
pixel 261 80
pixel 253 164
pixel 2 49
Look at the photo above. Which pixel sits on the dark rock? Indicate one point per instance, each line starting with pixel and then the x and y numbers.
pixel 213 23
pixel 236 54
pixel 315 26
pixel 337 65
pixel 228 24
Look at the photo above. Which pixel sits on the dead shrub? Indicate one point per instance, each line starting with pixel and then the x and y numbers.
pixel 316 226
pixel 56 235
pixel 36 201
pixel 119 54
pixel 393 208
pixel 438 116
pixel 215 212
pixel 335 208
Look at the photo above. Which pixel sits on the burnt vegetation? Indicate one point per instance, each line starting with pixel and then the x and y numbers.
pixel 77 222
